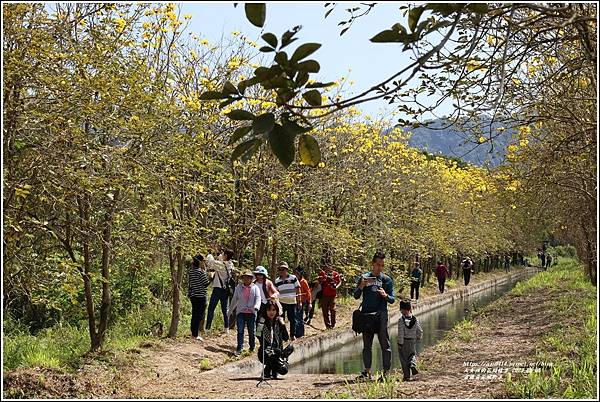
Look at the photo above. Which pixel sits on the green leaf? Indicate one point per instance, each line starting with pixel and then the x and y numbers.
pixel 313 97
pixel 286 38
pixel 305 50
pixel 247 83
pixel 320 84
pixel 413 17
pixel 310 66
pixel 239 114
pixel 310 153
pixel 281 58
pixel 243 148
pixel 251 151
pixel 229 88
pixel 238 134
pixel 284 95
pixel 387 36
pixel 479 8
pixel 294 128
pixel 227 102
pixel 210 95
pixel 270 39
pixel 282 145
pixel 256 13
pixel 263 123
pixel 301 78
pixel 266 49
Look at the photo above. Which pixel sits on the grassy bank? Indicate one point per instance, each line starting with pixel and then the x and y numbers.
pixel 65 345
pixel 570 349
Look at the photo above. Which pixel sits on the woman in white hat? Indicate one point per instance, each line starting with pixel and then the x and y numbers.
pixel 268 291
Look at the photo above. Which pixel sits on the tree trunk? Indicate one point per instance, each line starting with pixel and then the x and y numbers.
pixel 85 272
pixel 106 254
pixel 272 268
pixel 176 266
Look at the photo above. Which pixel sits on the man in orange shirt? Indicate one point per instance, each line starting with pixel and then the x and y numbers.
pixel 330 280
pixel 305 297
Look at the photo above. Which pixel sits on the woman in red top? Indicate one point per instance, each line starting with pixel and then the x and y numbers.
pixel 441 272
pixel 330 280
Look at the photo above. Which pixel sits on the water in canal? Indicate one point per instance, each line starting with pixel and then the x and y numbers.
pixel 347 359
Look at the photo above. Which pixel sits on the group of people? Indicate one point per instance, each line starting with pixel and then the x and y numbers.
pixel 261 304
pixel 258 304
pixel 441 273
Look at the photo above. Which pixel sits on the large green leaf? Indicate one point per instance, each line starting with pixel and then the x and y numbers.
pixel 320 84
pixel 310 153
pixel 270 39
pixel 387 35
pixel 239 114
pixel 229 88
pixel 282 145
pixel 413 17
pixel 210 95
pixel 263 123
pixel 310 66
pixel 292 127
pixel 239 133
pixel 479 8
pixel 244 147
pixel 256 13
pixel 305 50
pixel 313 97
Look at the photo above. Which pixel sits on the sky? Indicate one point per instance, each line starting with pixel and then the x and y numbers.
pixel 351 55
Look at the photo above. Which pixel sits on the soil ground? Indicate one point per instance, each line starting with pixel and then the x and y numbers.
pixel 187 368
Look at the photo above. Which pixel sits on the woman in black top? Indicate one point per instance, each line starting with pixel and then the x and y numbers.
pixel 198 285
pixel 271 333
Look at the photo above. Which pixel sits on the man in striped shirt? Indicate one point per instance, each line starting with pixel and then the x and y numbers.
pixel 288 287
pixel 197 289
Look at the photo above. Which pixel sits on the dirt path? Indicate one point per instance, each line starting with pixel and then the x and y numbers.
pixel 186 368
pixel 509 331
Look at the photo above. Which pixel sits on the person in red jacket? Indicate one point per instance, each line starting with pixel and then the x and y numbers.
pixel 441 272
pixel 330 280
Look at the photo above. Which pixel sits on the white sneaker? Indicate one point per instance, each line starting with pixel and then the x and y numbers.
pixel 199 338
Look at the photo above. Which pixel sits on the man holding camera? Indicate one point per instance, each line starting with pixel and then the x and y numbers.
pixel 330 280
pixel 377 291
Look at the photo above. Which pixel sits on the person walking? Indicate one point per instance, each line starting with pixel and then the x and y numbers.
pixel 197 290
pixel 305 298
pixel 330 280
pixel 409 332
pixel 223 269
pixel 441 272
pixel 246 302
pixel 377 291
pixel 415 281
pixel 467 268
pixel 315 293
pixel 289 291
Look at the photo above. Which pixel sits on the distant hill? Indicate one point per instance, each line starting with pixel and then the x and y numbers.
pixel 455 143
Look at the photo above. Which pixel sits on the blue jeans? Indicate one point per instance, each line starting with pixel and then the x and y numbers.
pixel 249 320
pixel 299 321
pixel 217 295
pixel 290 311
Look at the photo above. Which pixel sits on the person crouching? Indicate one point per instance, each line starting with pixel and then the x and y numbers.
pixel 271 333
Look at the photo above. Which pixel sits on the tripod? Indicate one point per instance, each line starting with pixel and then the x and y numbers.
pixel 264 362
